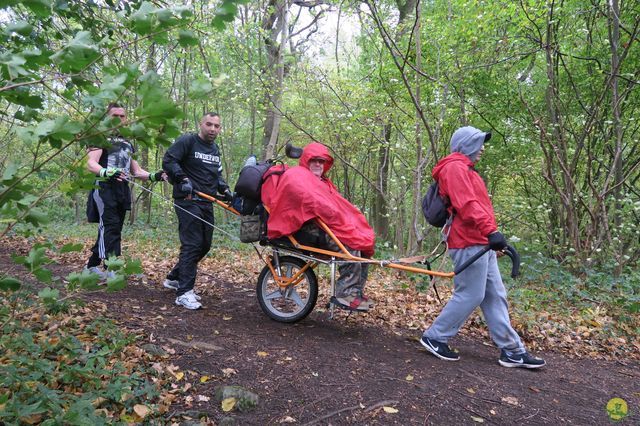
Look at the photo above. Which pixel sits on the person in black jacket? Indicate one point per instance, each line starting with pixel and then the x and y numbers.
pixel 114 165
pixel 193 164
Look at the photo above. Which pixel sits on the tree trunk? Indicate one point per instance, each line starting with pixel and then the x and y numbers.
pixel 274 25
pixel 614 42
pixel 415 234
pixel 380 207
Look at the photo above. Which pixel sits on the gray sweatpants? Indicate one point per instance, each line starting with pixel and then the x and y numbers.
pixel 478 285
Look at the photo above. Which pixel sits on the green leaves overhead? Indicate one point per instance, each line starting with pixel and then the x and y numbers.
pixel 20 27
pixel 56 132
pixel 187 38
pixel 13 65
pixel 226 12
pixel 77 54
pixel 200 88
pixel 156 108
pixel 41 8
pixel 150 19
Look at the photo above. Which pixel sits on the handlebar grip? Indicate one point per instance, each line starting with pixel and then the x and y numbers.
pixel 515 260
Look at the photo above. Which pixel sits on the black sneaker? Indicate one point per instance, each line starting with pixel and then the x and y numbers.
pixel 523 360
pixel 439 349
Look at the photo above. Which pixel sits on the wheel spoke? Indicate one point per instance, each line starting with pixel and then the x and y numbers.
pixel 296 297
pixel 274 295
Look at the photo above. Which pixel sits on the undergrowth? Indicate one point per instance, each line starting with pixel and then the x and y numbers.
pixel 71 366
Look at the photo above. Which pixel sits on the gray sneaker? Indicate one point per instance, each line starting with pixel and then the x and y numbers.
pixel 171 284
pixel 110 274
pixel 189 301
pixel 523 360
pixel 198 298
pixel 99 272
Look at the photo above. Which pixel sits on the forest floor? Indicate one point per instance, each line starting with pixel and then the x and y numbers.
pixel 347 370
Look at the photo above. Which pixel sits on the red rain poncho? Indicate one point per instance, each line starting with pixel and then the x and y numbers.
pixel 298 196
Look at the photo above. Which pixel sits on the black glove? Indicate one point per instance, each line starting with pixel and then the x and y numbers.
pixel 497 241
pixel 228 196
pixel 157 176
pixel 186 187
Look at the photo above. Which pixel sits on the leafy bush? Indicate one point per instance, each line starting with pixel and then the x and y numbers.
pixel 70 368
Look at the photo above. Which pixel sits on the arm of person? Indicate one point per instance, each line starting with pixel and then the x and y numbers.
pixel 223 187
pixel 138 172
pixel 466 203
pixel 172 158
pixel 93 158
pixel 93 165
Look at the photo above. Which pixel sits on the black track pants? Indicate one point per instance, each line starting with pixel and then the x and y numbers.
pixel 195 241
pixel 112 212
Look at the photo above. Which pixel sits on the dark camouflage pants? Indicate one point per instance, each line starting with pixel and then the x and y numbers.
pixel 352 275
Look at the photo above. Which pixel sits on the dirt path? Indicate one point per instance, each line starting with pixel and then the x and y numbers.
pixel 334 372
pixel 323 371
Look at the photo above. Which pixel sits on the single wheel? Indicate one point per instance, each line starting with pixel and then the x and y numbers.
pixel 291 303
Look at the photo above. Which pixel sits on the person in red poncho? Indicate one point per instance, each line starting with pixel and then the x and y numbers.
pixel 304 193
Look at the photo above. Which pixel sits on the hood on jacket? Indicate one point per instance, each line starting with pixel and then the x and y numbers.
pixel 468 140
pixel 451 158
pixel 316 150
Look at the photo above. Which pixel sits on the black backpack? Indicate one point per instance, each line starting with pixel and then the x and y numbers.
pixel 248 188
pixel 249 181
pixel 434 206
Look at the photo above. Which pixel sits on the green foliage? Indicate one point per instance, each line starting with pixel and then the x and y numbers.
pixel 545 285
pixel 70 374
pixel 9 284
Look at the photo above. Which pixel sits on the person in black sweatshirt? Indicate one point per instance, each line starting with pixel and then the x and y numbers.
pixel 193 164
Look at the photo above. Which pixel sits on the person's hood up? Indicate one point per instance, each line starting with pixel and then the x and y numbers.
pixel 316 150
pixel 468 140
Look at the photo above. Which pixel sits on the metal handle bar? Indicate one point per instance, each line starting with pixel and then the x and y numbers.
pixel 509 251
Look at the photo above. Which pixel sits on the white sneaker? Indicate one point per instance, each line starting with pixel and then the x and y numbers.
pixel 109 275
pixel 188 300
pixel 198 298
pixel 171 284
pixel 99 272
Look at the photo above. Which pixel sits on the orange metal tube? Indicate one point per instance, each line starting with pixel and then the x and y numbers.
pixel 345 253
pixel 218 202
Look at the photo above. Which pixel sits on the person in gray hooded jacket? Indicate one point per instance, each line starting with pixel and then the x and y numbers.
pixel 473 227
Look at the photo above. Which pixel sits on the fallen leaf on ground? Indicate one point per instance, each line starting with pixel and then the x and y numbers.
pixel 409 378
pixel 228 372
pixel 228 404
pixel 389 410
pixel 470 390
pixel 477 419
pixel 262 353
pixel 141 410
pixel 510 400
pixel 203 379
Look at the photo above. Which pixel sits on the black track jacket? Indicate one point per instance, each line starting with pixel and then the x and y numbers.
pixel 191 157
